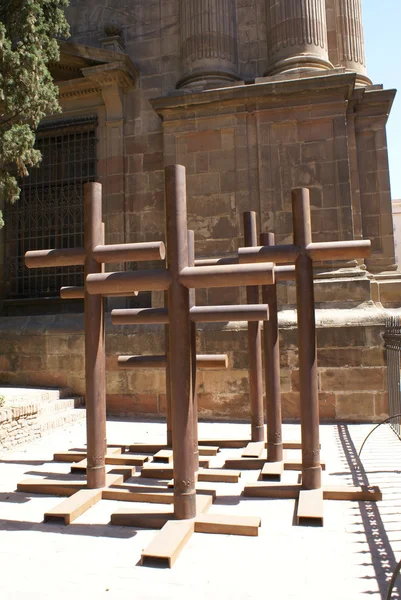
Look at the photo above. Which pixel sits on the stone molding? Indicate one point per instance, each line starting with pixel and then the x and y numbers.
pixel 266 94
pixel 93 69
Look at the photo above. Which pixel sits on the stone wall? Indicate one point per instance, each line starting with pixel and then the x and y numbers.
pixel 351 361
pixel 250 123
pixel 29 413
pixel 18 425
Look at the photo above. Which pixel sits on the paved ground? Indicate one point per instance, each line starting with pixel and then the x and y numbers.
pixel 352 557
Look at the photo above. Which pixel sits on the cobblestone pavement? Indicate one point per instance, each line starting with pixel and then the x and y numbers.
pixel 351 557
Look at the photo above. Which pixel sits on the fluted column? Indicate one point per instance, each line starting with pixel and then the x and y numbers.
pixel 350 40
pixel 297 35
pixel 208 43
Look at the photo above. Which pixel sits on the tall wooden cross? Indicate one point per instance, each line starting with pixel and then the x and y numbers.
pixel 304 252
pixel 198 314
pixel 177 279
pixel 93 257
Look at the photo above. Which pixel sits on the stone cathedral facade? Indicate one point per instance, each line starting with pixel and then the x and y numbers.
pixel 254 97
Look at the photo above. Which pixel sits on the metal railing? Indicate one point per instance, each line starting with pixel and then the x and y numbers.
pixel 49 212
pixel 392 339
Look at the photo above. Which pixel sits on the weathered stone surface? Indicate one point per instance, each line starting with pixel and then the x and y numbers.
pixel 245 147
pixel 351 366
pixel 297 35
pixel 208 30
pixel 28 414
pixel 345 36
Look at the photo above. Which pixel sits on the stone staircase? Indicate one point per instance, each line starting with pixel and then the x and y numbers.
pixel 30 413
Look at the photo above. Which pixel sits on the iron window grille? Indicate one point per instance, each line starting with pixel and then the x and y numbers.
pixel 49 212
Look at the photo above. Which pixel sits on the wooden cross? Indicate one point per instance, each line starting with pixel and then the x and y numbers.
pixel 271 463
pixel 303 252
pixel 177 280
pixel 93 256
pixel 198 314
pixel 253 457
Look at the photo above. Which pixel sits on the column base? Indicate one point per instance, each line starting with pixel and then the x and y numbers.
pixel 207 79
pixel 301 62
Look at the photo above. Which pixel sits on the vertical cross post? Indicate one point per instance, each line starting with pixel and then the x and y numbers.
pixel 192 302
pixel 254 343
pixel 94 344
pixel 309 397
pixel 180 345
pixel 168 379
pixel 272 367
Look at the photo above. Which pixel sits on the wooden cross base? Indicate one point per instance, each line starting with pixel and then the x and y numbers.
pixel 174 534
pixel 150 470
pixel 114 456
pixel 166 471
pixel 268 470
pixel 240 443
pixel 204 450
pixel 310 502
pixel 80 498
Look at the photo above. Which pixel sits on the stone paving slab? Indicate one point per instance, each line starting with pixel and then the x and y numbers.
pixel 352 557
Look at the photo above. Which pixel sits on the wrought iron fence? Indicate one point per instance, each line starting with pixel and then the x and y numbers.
pixel 49 213
pixel 392 338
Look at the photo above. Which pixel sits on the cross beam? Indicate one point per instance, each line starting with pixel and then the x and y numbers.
pixel 198 314
pixel 203 361
pixel 111 253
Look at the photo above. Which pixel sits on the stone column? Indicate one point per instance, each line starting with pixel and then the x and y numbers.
pixel 350 41
pixel 296 36
pixel 208 43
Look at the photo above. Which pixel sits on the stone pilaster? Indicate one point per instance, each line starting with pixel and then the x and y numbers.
pixel 371 114
pixel 346 43
pixel 297 35
pixel 208 43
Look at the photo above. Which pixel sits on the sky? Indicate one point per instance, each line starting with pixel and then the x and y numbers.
pixel 382 19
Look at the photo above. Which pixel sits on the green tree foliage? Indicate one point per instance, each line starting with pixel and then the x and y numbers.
pixel 28 32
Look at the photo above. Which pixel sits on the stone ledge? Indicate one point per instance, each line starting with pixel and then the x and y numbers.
pixel 366 314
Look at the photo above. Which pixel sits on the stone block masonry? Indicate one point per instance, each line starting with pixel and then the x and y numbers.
pixel 351 364
pixel 18 425
pixel 255 98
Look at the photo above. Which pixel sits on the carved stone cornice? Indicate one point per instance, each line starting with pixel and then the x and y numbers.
pixel 373 108
pixel 93 71
pixel 117 73
pixel 67 93
pixel 266 95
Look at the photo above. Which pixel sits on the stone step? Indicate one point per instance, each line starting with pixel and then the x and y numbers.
pixel 34 426
pixel 30 413
pixel 66 392
pixel 58 419
pixel 61 405
pixel 25 395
